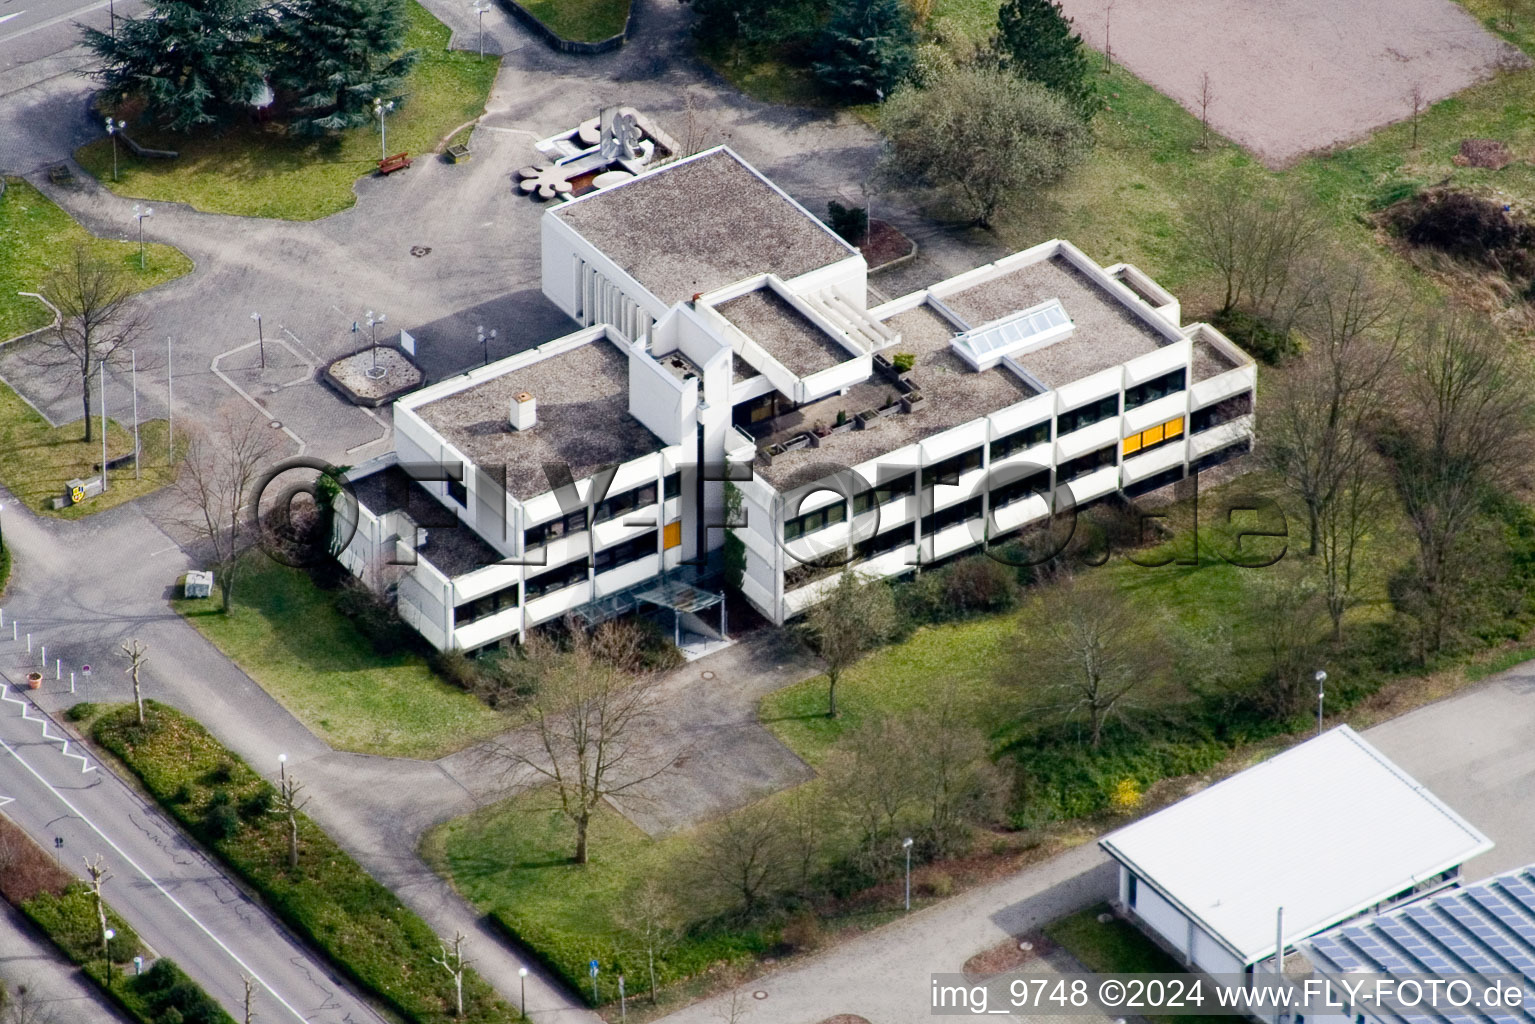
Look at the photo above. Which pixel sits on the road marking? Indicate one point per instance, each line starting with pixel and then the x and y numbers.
pixel 7 17
pixel 150 879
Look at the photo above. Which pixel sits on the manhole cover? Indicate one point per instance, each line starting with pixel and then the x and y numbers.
pixel 275 424
pixel 273 389
pixel 708 674
pixel 420 250
pixel 759 994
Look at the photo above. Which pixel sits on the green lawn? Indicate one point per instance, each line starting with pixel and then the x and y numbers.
pixel 36 235
pixel 512 861
pixel 581 21
pixel 258 171
pixel 36 459
pixel 287 635
pixel 1118 948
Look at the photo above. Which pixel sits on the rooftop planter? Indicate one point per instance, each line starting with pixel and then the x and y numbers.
pixel 912 401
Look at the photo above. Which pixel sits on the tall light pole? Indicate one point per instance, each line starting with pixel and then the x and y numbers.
pixel 170 408
pixel 103 367
pixel 260 338
pixel 373 322
pixel 107 935
pixel 282 768
pixel 113 127
pixel 480 7
pixel 381 108
pixel 522 974
pixel 1321 679
pixel 133 358
pixel 906 845
pixel 139 213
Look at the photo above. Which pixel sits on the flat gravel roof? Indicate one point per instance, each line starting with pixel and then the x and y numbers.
pixel 583 418
pixel 700 224
pixel 796 342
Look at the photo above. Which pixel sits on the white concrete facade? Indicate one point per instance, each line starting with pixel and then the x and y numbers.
pixel 719 388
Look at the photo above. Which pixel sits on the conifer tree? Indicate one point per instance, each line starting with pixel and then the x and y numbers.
pixel 1035 41
pixel 332 58
pixel 193 62
pixel 868 48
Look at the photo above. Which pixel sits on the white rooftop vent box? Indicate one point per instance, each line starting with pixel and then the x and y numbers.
pixel 524 411
pixel 1015 334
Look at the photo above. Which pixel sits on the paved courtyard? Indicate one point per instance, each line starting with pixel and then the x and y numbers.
pixel 1292 76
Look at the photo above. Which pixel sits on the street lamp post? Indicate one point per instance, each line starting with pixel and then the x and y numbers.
pixel 480 7
pixel 113 127
pixel 139 213
pixel 112 13
pixel 906 845
pixel 373 322
pixel 522 975
pixel 1321 678
pixel 260 338
pixel 133 357
pixel 107 935
pixel 282 768
pixel 485 340
pixel 381 108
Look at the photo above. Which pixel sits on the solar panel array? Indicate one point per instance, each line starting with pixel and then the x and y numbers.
pixel 1008 336
pixel 1484 929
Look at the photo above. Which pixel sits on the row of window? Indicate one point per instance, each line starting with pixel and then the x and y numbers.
pixel 1223 411
pixel 1154 437
pixel 1087 415
pixel 1157 387
pixel 883 494
pixel 482 607
pixel 1020 440
pixel 612 507
pixel 558 578
pixel 629 551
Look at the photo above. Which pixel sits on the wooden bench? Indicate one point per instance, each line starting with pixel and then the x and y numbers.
pixel 398 162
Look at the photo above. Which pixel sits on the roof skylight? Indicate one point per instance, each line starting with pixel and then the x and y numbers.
pixel 1032 328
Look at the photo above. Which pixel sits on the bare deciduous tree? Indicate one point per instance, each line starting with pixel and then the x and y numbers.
pixel 745 856
pixel 1461 431
pixel 1415 94
pixel 100 876
pixel 653 923
pixel 455 964
pixel 856 616
pixel 289 805
pixel 593 722
pixel 1108 45
pixel 1316 426
pixel 217 486
pixel 1206 97
pixel 1284 611
pixel 136 651
pixel 25 1006
pixel 1090 654
pixel 1356 507
pixel 1261 243
pixel 98 322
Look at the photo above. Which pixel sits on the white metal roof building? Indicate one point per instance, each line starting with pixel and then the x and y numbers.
pixel 1327 830
pixel 1485 929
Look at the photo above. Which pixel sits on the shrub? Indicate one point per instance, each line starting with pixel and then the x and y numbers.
pixel 1478 230
pixel 220 820
pixel 979 584
pixel 81 711
pixel 851 222
pixel 1264 341
pixel 259 804
pixel 903 361
pixel 803 933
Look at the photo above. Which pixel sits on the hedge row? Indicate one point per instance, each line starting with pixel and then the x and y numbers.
pixel 64 909
pixel 329 898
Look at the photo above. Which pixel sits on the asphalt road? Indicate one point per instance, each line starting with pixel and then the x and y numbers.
pixel 21 17
pixel 178 902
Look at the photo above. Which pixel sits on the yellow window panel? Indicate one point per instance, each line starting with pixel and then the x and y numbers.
pixel 1151 436
pixel 671 537
pixel 1132 443
pixel 1173 427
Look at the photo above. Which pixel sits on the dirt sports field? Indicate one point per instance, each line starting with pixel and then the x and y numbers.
pixel 1291 76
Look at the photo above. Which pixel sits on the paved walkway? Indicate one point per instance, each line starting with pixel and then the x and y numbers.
pixel 64 996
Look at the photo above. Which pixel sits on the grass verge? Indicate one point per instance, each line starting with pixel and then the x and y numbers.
pixel 329 899
pixel 36 235
pixel 512 861
pixel 36 459
pixel 64 909
pixel 260 171
pixel 1116 947
pixel 581 21
pixel 286 633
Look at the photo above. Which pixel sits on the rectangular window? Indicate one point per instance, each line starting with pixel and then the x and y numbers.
pixel 1223 411
pixel 1157 387
pixel 1018 490
pixel 885 542
pixel 458 492
pixel 671 485
pixel 631 550
pixel 559 578
pixel 810 522
pixel 1085 464
pixel 1220 455
pixel 1130 896
pixel 1087 415
pixel 936 522
pixel 882 494
pixel 951 469
pixel 1020 440
pixel 541 534
pixel 486 605
pixel 1154 437
pixel 619 505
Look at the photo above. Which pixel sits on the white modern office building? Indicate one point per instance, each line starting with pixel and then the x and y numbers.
pixel 726 332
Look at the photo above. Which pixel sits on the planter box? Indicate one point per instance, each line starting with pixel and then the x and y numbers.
pixel 867 418
pixel 458 154
pixel 913 400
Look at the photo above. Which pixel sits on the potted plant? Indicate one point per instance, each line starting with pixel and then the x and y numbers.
pixel 34 680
